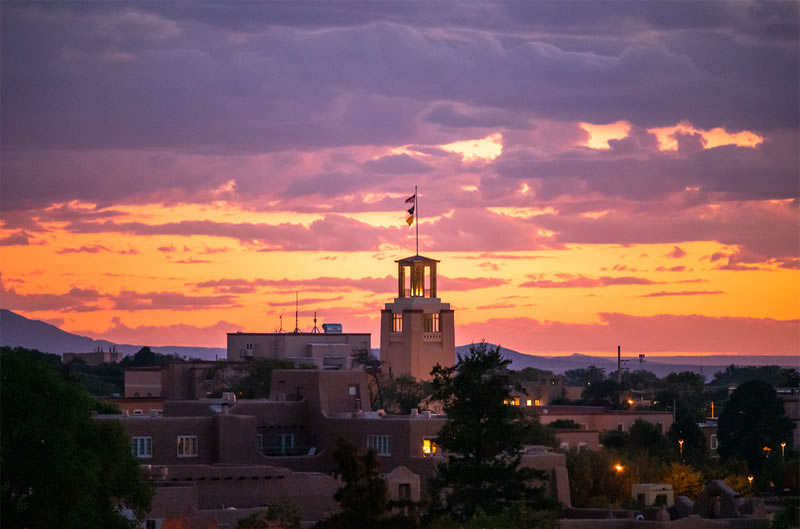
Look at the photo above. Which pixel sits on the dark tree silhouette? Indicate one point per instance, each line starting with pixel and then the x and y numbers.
pixel 753 419
pixel 483 436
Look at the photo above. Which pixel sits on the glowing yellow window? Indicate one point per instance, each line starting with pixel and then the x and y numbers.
pixel 429 447
pixel 528 403
pixel 536 402
pixel 516 401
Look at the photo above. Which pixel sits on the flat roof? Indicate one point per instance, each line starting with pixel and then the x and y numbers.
pixel 240 333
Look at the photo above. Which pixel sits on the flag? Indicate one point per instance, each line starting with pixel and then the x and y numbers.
pixel 411 210
pixel 410 220
pixel 412 198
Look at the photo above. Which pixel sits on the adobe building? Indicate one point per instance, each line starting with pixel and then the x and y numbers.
pixel 95 358
pixel 247 454
pixel 417 329
pixel 331 349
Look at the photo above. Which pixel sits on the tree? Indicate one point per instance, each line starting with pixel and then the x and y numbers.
pixel 603 393
pixel 685 480
pixel 685 429
pixel 61 467
pixel 483 436
pixel 404 393
pixel 584 376
pixel 363 498
pixel 254 378
pixel 283 515
pixel 594 480
pixel 376 381
pixel 773 375
pixel 754 419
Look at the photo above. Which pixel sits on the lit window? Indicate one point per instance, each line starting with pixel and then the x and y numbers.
pixel 142 447
pixel 529 402
pixel 714 441
pixel 429 447
pixel 187 446
pixel 397 322
pixel 381 444
pixel 537 402
pixel 516 401
pixel 352 390
pixel 431 323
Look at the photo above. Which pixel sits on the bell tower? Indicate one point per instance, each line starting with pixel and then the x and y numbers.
pixel 417 329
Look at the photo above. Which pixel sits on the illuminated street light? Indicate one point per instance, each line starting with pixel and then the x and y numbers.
pixel 618 467
pixel 783 449
pixel 680 443
pixel 750 480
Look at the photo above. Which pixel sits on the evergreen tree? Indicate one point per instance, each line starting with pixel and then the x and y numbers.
pixel 753 419
pixel 363 498
pixel 483 436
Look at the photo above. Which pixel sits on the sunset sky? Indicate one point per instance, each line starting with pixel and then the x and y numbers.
pixel 590 173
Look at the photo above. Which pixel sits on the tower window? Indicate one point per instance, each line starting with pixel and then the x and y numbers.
pixel 397 322
pixel 431 323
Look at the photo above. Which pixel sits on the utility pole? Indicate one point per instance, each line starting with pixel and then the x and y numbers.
pixel 619 364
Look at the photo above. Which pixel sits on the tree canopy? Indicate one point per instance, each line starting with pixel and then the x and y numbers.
pixel 61 467
pixel 483 437
pixel 363 498
pixel 774 375
pixel 754 419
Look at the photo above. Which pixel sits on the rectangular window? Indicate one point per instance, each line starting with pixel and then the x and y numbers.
pixel 187 446
pixel 714 441
pixel 619 427
pixel 529 402
pixel 149 524
pixel 537 402
pixel 138 412
pixel 516 401
pixel 249 346
pixel 429 447
pixel 142 447
pixel 397 322
pixel 260 443
pixel 431 323
pixel 284 444
pixel 381 444
pixel 352 390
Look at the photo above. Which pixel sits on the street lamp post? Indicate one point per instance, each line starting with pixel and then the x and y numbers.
pixel 680 443
pixel 783 449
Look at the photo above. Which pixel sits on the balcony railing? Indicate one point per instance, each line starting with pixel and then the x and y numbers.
pixel 431 337
pixel 396 337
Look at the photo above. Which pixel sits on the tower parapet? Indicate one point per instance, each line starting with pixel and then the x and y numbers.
pixel 417 329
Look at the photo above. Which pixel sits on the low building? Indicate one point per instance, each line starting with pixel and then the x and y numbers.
pixel 233 453
pixel 647 494
pixel 328 350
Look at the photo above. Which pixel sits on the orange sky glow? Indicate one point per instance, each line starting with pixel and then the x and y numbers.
pixel 587 179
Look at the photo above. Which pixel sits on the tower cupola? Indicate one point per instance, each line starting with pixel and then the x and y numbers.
pixel 416 277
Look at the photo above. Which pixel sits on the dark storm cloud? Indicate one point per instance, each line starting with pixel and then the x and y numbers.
pixel 127 77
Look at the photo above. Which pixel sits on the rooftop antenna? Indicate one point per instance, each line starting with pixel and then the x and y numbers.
pixel 280 329
pixel 416 219
pixel 296 308
pixel 315 330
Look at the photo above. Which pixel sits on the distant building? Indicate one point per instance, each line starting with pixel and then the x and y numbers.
pixel 327 350
pixel 94 358
pixel 417 329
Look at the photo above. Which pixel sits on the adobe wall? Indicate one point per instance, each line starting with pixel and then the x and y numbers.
pixel 143 382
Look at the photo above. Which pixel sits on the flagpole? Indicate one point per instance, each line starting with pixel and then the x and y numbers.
pixel 416 206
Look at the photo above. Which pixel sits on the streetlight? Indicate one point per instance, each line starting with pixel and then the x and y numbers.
pixel 680 443
pixel 783 449
pixel 750 481
pixel 618 467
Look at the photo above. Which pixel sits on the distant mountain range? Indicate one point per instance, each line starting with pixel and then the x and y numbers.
pixel 18 331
